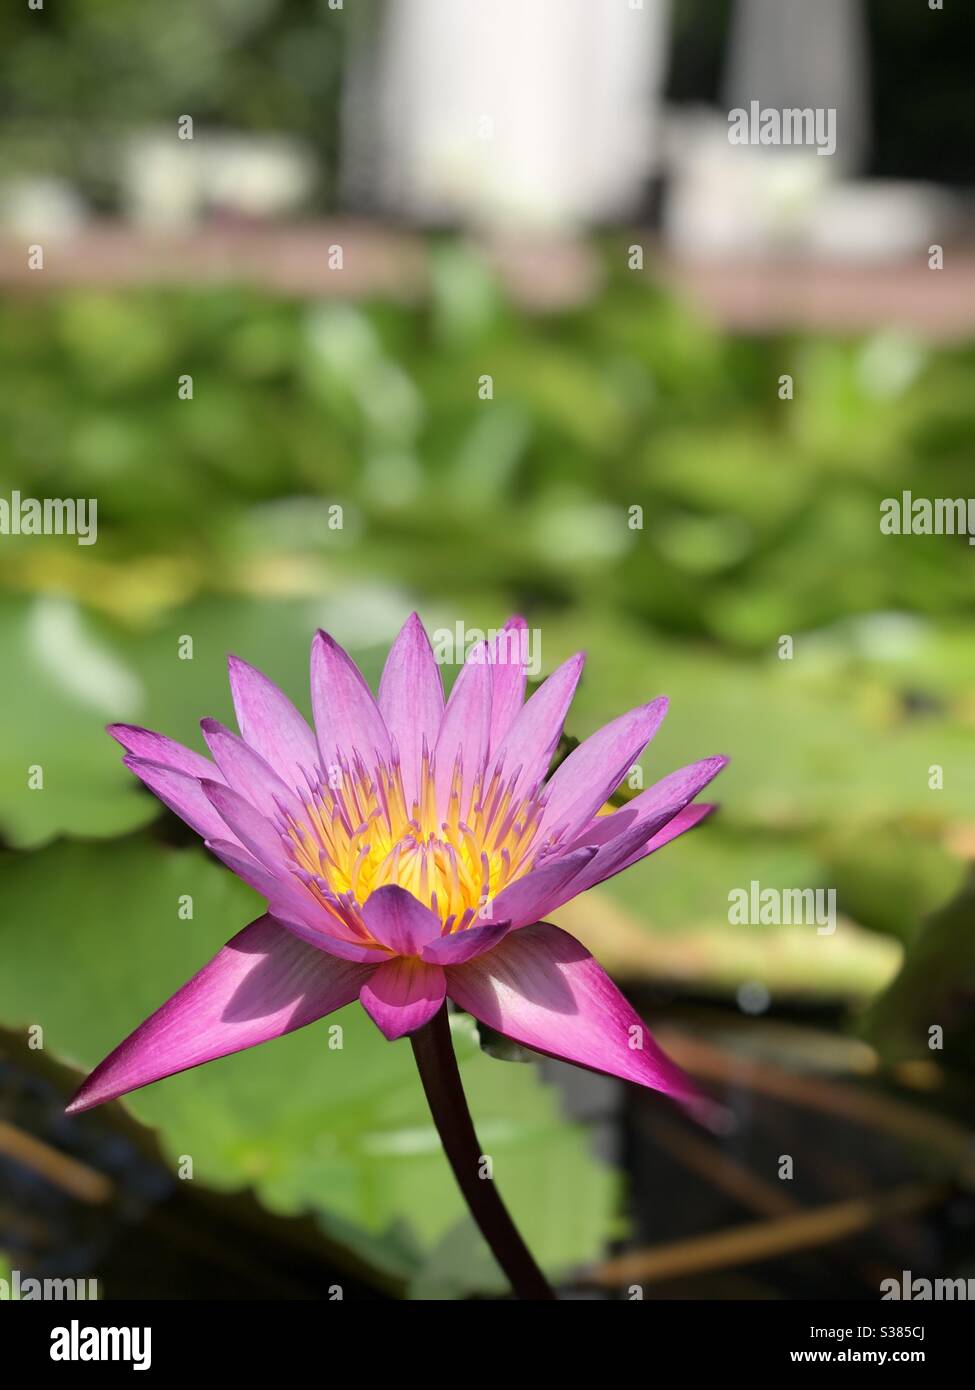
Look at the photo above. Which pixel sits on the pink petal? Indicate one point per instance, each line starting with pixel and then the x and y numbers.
pixel 264 983
pixel 464 730
pixel 678 825
pixel 399 921
pixel 634 844
pixel 289 904
pixel 242 863
pixel 594 770
pixel 508 656
pixel 530 898
pixel 655 805
pixel 542 989
pixel 411 700
pixel 642 820
pixel 629 848
pixel 271 725
pixel 182 794
pixel 529 744
pixel 328 939
pixel 347 718
pixel 247 773
pixel 466 944
pixel 254 831
pixel 165 752
pixel 402 995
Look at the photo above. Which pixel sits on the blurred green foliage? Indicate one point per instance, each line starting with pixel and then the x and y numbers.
pixel 77 79
pixel 760 517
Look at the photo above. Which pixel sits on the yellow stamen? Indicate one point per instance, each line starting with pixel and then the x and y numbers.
pixel 361 834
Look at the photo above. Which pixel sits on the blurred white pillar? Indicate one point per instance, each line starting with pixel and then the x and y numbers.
pixel 748 199
pixel 524 113
pixel 799 53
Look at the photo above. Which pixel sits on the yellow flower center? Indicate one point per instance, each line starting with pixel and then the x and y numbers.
pixel 360 835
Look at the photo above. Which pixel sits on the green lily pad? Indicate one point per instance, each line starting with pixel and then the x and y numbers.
pixel 66 681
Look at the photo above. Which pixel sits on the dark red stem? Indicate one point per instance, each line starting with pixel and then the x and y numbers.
pixel 437 1065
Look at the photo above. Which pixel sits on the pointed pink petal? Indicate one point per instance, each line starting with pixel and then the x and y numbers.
pixel 508 655
pixel 678 825
pixel 630 847
pixel 466 944
pixel 464 730
pixel 643 820
pixel 399 921
pixel 653 807
pixel 247 772
pixel 593 771
pixel 289 904
pixel 157 748
pixel 326 938
pixel 534 735
pixel 402 995
pixel 271 725
pixel 528 899
pixel 411 700
pixel 182 794
pixel 264 983
pixel 634 844
pixel 542 989
pixel 254 831
pixel 242 863
pixel 347 718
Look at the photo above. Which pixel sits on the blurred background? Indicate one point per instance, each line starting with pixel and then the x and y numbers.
pixel 345 309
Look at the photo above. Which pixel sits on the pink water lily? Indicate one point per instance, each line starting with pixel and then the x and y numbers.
pixel 409 851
